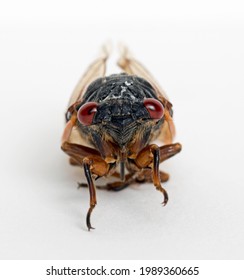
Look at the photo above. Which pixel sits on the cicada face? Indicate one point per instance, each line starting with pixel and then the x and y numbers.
pixel 120 108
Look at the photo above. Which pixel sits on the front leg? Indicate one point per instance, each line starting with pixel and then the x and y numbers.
pixel 90 159
pixel 93 165
pixel 151 157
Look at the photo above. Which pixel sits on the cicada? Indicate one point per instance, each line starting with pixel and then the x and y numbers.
pixel 111 123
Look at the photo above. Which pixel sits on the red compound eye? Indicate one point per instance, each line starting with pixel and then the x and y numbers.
pixel 86 113
pixel 154 108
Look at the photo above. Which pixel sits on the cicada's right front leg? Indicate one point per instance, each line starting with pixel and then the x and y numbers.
pixel 90 159
pixel 93 165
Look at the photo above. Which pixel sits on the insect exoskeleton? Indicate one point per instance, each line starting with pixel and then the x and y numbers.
pixel 113 120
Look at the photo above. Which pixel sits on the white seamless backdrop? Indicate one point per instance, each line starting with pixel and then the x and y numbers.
pixel 196 53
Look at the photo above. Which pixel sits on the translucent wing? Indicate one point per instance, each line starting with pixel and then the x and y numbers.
pixel 96 70
pixel 134 67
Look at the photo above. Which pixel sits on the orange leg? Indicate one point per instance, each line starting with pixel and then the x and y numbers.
pixel 87 157
pixel 145 175
pixel 151 157
pixel 93 165
pixel 92 190
pixel 115 186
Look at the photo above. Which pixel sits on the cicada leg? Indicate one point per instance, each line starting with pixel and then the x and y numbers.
pixel 120 185
pixel 93 165
pixel 145 175
pixel 97 166
pixel 90 159
pixel 115 186
pixel 151 157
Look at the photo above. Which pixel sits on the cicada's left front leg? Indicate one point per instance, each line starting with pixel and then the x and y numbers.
pixel 151 157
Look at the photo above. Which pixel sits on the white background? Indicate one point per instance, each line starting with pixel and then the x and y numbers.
pixel 196 51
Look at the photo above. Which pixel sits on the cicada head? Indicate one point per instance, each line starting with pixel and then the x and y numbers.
pixel 121 108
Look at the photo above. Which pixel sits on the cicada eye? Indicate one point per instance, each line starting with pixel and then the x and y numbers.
pixel 154 108
pixel 86 113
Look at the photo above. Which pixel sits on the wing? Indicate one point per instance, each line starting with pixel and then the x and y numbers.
pixel 134 67
pixel 96 70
